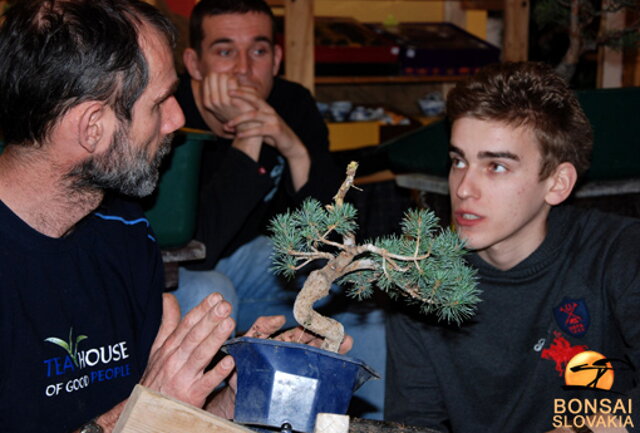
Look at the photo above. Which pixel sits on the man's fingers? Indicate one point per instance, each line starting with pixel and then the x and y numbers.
pixel 213 312
pixel 300 335
pixel 201 354
pixel 254 116
pixel 190 320
pixel 249 95
pixel 264 326
pixel 170 320
pixel 212 93
pixel 216 375
pixel 206 92
pixel 223 90
pixel 346 344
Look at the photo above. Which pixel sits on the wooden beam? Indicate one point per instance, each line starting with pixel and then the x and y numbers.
pixel 487 5
pixel 631 73
pixel 610 61
pixel 389 79
pixel 453 13
pixel 148 411
pixel 299 42
pixel 516 30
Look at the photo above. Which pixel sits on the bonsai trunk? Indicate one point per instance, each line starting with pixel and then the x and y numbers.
pixel 316 287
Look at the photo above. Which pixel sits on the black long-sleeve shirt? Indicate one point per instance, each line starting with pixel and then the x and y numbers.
pixel 239 196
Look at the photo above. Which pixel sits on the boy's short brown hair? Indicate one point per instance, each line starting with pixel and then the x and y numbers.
pixel 529 94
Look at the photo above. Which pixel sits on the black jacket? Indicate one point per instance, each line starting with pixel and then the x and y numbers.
pixel 239 196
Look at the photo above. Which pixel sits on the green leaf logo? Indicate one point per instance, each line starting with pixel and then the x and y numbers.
pixel 69 347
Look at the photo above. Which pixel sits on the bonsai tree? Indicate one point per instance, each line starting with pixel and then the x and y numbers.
pixel 424 263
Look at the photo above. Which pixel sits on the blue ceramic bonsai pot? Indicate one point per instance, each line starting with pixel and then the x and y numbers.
pixel 289 383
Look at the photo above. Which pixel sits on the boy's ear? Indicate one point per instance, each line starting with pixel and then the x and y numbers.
pixel 93 124
pixel 190 60
pixel 562 181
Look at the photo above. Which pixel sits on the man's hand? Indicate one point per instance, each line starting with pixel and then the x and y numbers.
pixel 181 352
pixel 265 124
pixel 216 97
pixel 183 349
pixel 224 402
pixel 266 326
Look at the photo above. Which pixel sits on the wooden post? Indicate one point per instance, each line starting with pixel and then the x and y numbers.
pixel 151 412
pixel 516 30
pixel 455 14
pixel 610 64
pixel 299 42
pixel 632 69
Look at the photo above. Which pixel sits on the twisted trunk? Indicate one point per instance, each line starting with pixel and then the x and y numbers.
pixel 316 287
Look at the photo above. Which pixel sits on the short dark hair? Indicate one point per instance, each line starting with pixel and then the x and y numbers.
pixel 206 8
pixel 530 94
pixel 58 53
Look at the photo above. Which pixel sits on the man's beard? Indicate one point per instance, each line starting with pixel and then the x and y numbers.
pixel 122 167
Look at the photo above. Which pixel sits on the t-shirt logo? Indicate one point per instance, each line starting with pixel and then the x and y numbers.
pixel 572 316
pixel 80 368
pixel 69 346
pixel 561 352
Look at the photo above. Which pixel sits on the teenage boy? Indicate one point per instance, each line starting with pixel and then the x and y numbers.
pixel 556 280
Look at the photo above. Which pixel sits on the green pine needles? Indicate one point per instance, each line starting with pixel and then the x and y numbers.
pixel 424 263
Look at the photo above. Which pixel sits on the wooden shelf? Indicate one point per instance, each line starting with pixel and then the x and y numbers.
pixel 299 39
pixel 402 79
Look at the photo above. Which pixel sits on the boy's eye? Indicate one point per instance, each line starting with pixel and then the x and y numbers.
pixel 498 168
pixel 457 162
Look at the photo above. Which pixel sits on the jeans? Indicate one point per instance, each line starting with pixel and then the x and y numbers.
pixel 247 283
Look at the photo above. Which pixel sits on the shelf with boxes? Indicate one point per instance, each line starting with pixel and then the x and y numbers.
pixel 372 64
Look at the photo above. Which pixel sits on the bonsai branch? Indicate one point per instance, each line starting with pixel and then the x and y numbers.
pixel 437 279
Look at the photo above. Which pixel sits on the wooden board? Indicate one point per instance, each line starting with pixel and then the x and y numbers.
pixel 516 30
pixel 148 411
pixel 299 40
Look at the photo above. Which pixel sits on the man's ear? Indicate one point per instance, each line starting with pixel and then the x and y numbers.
pixel 94 124
pixel 562 181
pixel 190 60
pixel 277 59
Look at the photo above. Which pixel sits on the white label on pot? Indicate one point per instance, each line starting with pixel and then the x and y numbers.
pixel 292 399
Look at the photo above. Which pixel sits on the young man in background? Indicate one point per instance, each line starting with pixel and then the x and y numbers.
pixel 271 152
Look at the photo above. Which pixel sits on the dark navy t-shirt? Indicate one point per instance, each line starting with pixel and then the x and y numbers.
pixel 78 316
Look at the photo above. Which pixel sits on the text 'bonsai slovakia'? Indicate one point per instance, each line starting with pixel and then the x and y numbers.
pixel 424 263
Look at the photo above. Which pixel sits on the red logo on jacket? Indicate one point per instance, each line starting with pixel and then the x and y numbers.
pixel 561 352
